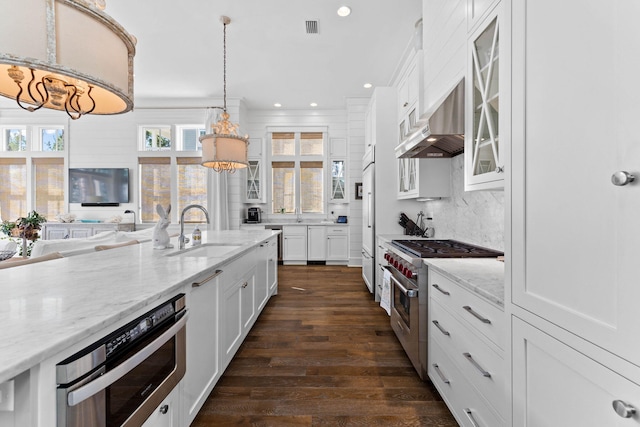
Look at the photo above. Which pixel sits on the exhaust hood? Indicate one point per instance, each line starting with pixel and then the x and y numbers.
pixel 439 133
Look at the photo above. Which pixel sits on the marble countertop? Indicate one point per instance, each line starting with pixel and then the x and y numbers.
pixel 304 222
pixel 484 276
pixel 50 306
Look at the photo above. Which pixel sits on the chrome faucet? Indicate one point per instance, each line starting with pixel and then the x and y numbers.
pixel 182 240
pixel 298 215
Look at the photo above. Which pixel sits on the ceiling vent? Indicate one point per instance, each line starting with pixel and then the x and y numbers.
pixel 312 27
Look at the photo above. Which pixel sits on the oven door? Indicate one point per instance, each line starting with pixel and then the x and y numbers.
pixel 126 391
pixel 405 311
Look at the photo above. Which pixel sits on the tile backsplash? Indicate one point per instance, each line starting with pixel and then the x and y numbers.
pixel 475 217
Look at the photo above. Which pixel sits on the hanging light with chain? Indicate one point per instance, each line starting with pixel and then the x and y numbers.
pixel 223 149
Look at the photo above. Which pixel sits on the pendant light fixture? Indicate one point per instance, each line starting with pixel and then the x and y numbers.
pixel 222 149
pixel 65 55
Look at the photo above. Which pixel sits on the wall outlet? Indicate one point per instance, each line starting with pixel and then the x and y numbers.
pixel 428 215
pixel 6 396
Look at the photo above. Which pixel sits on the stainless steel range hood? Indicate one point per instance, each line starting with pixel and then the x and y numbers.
pixel 439 133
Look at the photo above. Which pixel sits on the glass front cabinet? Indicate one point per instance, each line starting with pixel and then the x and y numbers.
pixel 484 157
pixel 255 174
pixel 338 184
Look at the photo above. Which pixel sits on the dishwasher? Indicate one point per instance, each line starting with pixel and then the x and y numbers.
pixel 277 227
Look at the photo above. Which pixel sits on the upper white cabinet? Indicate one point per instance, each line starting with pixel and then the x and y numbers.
pixel 578 266
pixel 477 10
pixel 410 98
pixel 338 165
pixel 419 178
pixel 484 148
pixel 255 175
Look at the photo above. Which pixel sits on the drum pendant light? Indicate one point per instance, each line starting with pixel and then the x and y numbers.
pixel 222 149
pixel 65 55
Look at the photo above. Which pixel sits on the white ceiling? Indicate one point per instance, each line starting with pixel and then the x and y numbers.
pixel 270 58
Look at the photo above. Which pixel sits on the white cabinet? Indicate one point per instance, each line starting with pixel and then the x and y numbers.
pixel 486 111
pixel 555 385
pixel 203 369
pixel 76 230
pixel 423 178
pixel 168 412
pixel 466 341
pixel 266 272
pixel 477 10
pixel 316 243
pixel 338 190
pixel 255 174
pixel 337 244
pixel 237 310
pixel 410 94
pixel 294 244
pixel 578 266
pixel 272 266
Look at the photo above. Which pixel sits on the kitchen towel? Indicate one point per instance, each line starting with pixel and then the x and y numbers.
pixel 385 296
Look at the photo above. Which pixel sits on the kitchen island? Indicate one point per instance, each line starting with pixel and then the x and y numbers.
pixel 55 307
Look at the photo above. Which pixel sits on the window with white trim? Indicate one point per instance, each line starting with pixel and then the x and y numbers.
pixel 33 157
pixel 297 172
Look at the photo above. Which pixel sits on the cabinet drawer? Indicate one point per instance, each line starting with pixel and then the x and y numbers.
pixel 341 231
pixel 480 314
pixel 481 366
pixel 467 406
pixel 297 230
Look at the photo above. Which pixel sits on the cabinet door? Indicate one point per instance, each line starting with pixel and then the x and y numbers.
pixel 248 301
pixel 337 247
pixel 56 233
pixel 578 265
pixel 338 191
pixel 202 342
pixel 230 321
pixel 272 267
pixel 80 233
pixel 254 182
pixel 262 275
pixel 168 412
pixel 483 151
pixel 317 244
pixel 294 243
pixel 555 385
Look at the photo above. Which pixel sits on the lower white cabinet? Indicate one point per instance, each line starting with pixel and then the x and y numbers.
pixel 337 244
pixel 272 266
pixel 76 230
pixel 316 243
pixel 556 385
pixel 266 272
pixel 464 333
pixel 168 412
pixel 203 367
pixel 294 242
pixel 237 313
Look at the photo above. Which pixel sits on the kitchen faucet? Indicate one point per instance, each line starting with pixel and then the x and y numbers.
pixel 182 240
pixel 298 215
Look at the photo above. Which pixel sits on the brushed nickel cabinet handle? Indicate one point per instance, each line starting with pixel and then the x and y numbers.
pixel 164 409
pixel 440 374
pixel 621 178
pixel 476 314
pixel 475 364
pixel 435 285
pixel 198 284
pixel 443 330
pixel 469 414
pixel 245 284
pixel 623 409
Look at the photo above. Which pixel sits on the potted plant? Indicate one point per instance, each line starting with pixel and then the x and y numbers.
pixel 25 228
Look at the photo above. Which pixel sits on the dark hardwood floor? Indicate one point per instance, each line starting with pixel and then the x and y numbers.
pixel 322 355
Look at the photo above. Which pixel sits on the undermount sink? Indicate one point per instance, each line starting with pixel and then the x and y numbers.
pixel 208 250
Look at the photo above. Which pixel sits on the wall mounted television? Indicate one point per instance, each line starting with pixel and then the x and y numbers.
pixel 99 186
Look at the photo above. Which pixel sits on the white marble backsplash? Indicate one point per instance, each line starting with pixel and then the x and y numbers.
pixel 475 217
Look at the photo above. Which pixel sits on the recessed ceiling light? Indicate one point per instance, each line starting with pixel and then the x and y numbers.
pixel 368 85
pixel 344 11
pixel 277 104
pixel 313 104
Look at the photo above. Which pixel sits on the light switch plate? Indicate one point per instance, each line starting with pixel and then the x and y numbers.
pixel 6 396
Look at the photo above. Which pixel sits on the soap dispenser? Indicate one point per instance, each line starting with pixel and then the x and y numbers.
pixel 196 236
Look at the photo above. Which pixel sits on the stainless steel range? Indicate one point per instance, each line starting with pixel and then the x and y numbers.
pixel 409 289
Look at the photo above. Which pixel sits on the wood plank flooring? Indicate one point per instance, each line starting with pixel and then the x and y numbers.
pixel 322 355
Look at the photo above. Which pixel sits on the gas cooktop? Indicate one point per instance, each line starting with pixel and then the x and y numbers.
pixel 444 249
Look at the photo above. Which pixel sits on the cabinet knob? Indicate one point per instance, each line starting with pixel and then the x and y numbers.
pixel 622 178
pixel 499 169
pixel 405 104
pixel 164 409
pixel 623 409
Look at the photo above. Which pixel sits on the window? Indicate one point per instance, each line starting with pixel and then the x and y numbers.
pixel 14 139
pixel 32 170
pixel 192 187
pixel 156 138
pixel 171 175
pixel 297 172
pixel 13 198
pixel 49 186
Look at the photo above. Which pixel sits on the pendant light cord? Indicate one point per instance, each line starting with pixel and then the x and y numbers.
pixel 224 66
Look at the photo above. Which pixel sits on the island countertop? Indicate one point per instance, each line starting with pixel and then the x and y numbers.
pixel 49 306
